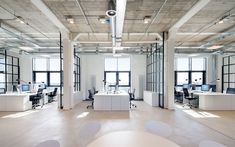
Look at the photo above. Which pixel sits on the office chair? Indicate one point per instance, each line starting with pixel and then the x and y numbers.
pixel 94 90
pixel 132 97
pixel 51 95
pixel 36 98
pixel 178 96
pixel 90 97
pixel 188 97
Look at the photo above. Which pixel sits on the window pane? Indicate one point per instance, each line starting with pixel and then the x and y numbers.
pixel 111 78
pixel 198 64
pixel 110 64
pixel 2 77
pixel 182 78
pixel 123 64
pixel 124 78
pixel 40 64
pixel 54 78
pixel 41 77
pixel 197 78
pixel 54 64
pixel 182 64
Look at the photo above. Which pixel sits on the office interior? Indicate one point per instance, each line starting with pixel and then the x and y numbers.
pixel 91 70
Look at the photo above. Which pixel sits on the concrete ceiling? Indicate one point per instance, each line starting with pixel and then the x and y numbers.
pixel 37 31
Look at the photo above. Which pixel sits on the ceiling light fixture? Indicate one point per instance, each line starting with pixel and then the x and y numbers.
pixel 103 20
pixel 147 19
pixel 70 19
pixel 19 19
pixel 214 47
pixel 26 48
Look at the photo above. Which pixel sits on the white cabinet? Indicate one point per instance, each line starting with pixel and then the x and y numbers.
pixel 151 98
pixel 103 101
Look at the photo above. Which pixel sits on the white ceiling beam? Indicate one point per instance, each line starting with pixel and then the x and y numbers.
pixel 195 9
pixel 120 17
pixel 49 14
pixel 106 42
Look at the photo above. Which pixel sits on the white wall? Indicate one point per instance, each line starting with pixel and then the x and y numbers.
pixel 138 74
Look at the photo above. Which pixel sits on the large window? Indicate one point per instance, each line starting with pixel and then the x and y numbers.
pixel 190 71
pixel 228 72
pixel 9 71
pixel 47 70
pixel 117 72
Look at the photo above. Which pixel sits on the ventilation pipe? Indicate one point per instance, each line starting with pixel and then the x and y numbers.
pixel 111 13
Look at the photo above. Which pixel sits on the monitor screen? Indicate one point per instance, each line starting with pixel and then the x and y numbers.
pixel 205 87
pixel 186 86
pixel 25 87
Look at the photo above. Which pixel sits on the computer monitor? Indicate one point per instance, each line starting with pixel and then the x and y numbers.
pixel 186 86
pixel 25 87
pixel 205 87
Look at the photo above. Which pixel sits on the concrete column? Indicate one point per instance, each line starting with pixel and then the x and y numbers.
pixel 169 51
pixel 68 72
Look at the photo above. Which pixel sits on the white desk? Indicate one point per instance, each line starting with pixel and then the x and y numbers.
pixel 132 139
pixel 15 101
pixel 216 101
pixel 104 101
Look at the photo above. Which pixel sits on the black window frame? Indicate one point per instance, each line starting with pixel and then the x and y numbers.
pixel 117 78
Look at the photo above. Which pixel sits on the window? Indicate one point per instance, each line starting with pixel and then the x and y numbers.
pixel 40 64
pixel 117 71
pixel 54 64
pixel 47 70
pixel 190 71
pixel 182 64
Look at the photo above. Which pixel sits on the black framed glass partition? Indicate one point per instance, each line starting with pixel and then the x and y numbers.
pixel 77 73
pixel 9 71
pixel 228 72
pixel 155 71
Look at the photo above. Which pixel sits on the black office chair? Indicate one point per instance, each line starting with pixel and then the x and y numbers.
pixel 178 96
pixel 94 90
pixel 132 97
pixel 188 97
pixel 36 98
pixel 90 97
pixel 51 95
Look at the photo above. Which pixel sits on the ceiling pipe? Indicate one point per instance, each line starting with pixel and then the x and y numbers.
pixel 121 9
pixel 111 12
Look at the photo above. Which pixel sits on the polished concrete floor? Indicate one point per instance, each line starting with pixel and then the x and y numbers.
pixel 189 127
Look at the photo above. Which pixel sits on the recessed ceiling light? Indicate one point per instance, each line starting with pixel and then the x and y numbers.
pixel 147 19
pixel 19 19
pixel 215 47
pixel 70 19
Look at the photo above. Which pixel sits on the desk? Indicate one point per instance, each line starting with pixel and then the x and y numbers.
pixel 216 101
pixel 104 101
pixel 15 101
pixel 132 139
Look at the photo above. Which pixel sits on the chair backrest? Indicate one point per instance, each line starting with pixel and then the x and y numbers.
pixel 40 92
pixel 90 96
pixel 55 91
pixel 185 90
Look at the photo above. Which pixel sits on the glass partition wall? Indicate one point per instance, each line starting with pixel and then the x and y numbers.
pixel 9 72
pixel 228 72
pixel 155 71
